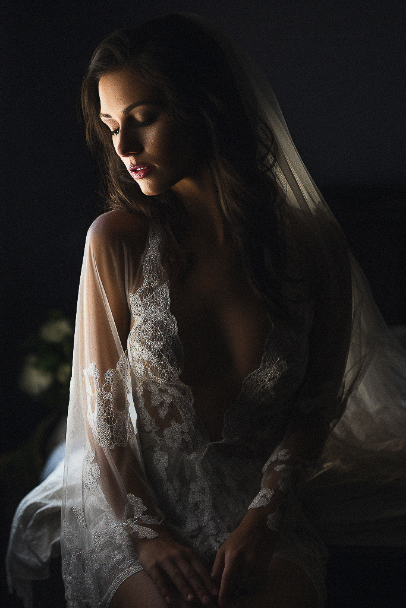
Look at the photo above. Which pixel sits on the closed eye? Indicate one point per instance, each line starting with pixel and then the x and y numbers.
pixel 146 122
pixel 137 124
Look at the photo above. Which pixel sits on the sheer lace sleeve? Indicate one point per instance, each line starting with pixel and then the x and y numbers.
pixel 320 401
pixel 106 496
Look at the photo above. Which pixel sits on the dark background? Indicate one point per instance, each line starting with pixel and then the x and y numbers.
pixel 338 70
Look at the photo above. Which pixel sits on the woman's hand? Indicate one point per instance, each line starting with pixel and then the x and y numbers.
pixel 243 560
pixel 170 564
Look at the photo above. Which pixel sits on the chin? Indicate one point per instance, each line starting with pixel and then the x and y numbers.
pixel 152 191
pixel 148 189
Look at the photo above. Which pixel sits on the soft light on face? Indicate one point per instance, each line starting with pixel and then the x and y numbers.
pixel 158 152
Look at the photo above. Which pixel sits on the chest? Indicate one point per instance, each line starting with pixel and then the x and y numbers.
pixel 222 327
pixel 207 331
pixel 222 324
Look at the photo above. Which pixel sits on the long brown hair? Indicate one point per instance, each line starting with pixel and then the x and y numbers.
pixel 186 64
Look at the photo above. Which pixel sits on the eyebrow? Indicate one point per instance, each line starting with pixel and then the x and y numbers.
pixel 128 109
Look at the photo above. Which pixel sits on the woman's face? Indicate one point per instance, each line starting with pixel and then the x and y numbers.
pixel 158 152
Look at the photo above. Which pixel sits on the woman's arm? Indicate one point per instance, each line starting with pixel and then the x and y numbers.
pixel 246 554
pixel 112 260
pixel 112 509
pixel 243 560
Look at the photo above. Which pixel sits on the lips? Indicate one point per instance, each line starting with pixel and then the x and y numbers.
pixel 140 171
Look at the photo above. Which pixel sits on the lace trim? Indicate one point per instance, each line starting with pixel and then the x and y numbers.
pixel 274 521
pixel 97 563
pixel 282 455
pixel 134 521
pixel 110 426
pixel 91 472
pixel 262 499
pixel 153 344
pixel 283 485
pixel 165 404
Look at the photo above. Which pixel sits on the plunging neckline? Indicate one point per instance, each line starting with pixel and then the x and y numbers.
pixel 160 279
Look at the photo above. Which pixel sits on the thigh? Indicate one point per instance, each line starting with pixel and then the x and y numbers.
pixel 138 591
pixel 286 587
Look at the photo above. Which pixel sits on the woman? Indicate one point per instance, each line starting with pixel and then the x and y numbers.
pixel 212 336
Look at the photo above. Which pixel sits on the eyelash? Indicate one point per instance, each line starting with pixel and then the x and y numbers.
pixel 144 123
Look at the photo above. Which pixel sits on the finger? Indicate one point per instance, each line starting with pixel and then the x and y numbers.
pixel 228 580
pixel 178 601
pixel 159 581
pixel 218 567
pixel 204 576
pixel 178 579
pixel 195 581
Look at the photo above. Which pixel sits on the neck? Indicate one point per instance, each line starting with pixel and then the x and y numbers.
pixel 200 197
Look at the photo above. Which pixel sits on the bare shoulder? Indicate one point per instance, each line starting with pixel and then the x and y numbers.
pixel 117 228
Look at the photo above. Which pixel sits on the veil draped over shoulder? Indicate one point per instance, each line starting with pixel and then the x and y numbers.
pixel 365 454
pixel 365 450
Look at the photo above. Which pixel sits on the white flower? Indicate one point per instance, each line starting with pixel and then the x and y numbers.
pixel 35 381
pixel 55 331
pixel 63 373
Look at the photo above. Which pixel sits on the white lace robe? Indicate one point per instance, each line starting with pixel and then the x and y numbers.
pixel 146 457
pixel 137 453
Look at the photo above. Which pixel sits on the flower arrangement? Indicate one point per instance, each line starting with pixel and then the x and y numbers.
pixel 45 377
pixel 47 365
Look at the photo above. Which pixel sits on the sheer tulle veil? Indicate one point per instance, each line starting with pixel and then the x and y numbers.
pixel 365 453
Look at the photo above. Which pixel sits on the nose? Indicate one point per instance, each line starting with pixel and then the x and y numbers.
pixel 127 143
